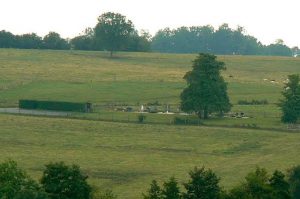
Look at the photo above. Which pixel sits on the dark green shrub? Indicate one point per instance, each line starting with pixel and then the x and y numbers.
pixel 179 120
pixel 141 118
pixel 254 126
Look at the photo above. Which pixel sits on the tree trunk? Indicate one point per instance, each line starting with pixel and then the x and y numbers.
pixel 205 113
pixel 200 114
pixel 111 54
pixel 221 114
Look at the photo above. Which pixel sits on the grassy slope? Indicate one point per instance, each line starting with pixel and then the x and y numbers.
pixel 131 77
pixel 137 78
pixel 126 157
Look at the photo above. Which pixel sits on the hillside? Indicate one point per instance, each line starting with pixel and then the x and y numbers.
pixel 124 155
pixel 127 157
pixel 137 78
pixel 130 77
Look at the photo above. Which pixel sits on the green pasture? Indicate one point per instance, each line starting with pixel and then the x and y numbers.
pixel 137 78
pixel 126 157
pixel 129 77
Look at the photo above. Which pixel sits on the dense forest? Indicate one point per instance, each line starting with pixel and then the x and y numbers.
pixel 224 40
pixel 206 39
pixel 85 41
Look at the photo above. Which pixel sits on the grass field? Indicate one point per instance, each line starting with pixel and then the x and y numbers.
pixel 126 156
pixel 137 78
pixel 130 77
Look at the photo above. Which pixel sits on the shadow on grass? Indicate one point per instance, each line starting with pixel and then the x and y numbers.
pixel 241 148
pixel 140 148
pixel 118 177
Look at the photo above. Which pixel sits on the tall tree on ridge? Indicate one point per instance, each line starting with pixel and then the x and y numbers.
pixel 113 31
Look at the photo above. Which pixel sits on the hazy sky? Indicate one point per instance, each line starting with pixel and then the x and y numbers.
pixel 267 20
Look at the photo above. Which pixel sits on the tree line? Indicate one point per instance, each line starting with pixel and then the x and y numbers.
pixel 114 32
pixel 58 181
pixel 61 181
pixel 205 184
pixel 32 41
pixel 85 41
pixel 224 40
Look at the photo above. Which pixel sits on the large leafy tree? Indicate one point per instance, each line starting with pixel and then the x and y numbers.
pixel 294 180
pixel 290 105
pixel 281 188
pixel 206 91
pixel 171 189
pixel 7 40
pixel 29 41
pixel 61 181
pixel 204 184
pixel 113 31
pixel 259 185
pixel 154 192
pixel 16 184
pixel 54 41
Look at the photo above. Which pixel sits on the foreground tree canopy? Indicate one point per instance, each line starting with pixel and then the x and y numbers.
pixel 59 181
pixel 16 184
pixel 63 181
pixel 206 91
pixel 205 184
